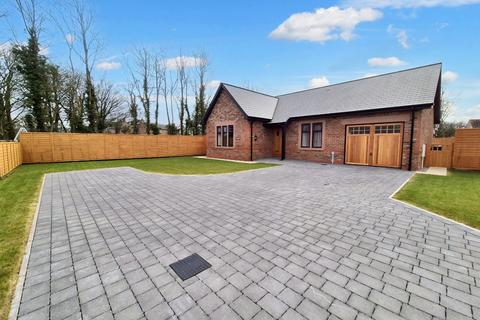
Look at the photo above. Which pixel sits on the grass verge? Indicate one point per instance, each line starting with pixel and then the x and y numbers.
pixel 455 196
pixel 19 193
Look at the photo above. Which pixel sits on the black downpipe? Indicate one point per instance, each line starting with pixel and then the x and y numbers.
pixel 283 142
pixel 412 121
pixel 251 140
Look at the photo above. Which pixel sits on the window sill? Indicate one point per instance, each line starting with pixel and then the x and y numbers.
pixel 312 149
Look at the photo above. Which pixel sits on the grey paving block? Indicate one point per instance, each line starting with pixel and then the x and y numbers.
pixel 229 293
pixel 210 302
pixel 197 290
pixel 160 312
pixel 245 307
pixel 427 306
pixel 149 299
pixel 272 305
pixel 132 312
pixel 312 311
pixel 95 307
pixel 224 312
pixel 336 291
pixel 64 309
pixel 122 300
pixel 342 311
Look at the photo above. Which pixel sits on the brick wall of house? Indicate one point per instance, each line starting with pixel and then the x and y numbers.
pixel 263 146
pixel 334 135
pixel 226 112
pixel 423 134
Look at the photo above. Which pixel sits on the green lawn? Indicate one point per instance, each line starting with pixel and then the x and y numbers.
pixel 19 193
pixel 456 196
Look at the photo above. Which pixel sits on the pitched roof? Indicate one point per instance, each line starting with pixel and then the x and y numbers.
pixel 473 123
pixel 254 104
pixel 404 88
pixel 412 87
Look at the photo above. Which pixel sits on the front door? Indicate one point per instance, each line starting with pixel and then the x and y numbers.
pixel 277 142
pixel 374 145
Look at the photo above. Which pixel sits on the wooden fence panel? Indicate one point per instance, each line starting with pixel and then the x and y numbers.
pixel 40 147
pixel 10 157
pixel 466 154
pixel 439 153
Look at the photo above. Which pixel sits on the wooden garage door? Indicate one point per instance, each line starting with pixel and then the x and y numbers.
pixel 374 145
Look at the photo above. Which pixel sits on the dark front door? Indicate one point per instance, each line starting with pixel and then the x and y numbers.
pixel 277 142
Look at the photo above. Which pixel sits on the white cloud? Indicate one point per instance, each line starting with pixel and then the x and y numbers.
pixel 441 25
pixel 449 76
pixel 189 62
pixel 465 114
pixel 5 47
pixel 386 62
pixel 368 75
pixel 397 4
pixel 44 51
pixel 213 84
pixel 70 38
pixel 318 82
pixel 108 65
pixel 324 24
pixel 401 36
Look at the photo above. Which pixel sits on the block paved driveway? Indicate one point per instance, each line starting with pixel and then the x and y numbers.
pixel 297 241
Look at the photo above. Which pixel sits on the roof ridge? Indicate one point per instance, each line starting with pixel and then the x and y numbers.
pixel 238 87
pixel 359 79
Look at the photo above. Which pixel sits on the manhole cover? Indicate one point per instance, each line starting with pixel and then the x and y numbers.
pixel 190 266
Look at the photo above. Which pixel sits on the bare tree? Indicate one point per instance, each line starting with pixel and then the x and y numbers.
pixel 72 97
pixel 109 102
pixel 87 52
pixel 141 78
pixel 10 98
pixel 133 108
pixel 159 73
pixel 182 105
pixel 199 85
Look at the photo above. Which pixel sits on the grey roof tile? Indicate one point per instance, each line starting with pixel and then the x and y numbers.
pixel 254 104
pixel 417 86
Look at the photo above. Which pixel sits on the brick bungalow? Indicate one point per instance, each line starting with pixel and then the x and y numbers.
pixel 383 121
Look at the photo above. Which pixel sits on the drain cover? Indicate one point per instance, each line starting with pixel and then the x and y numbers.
pixel 190 266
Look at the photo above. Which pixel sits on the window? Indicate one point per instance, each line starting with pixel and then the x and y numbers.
pixel 230 136
pixel 436 147
pixel 305 135
pixel 219 136
pixel 225 136
pixel 317 135
pixel 311 136
pixel 359 130
pixel 390 128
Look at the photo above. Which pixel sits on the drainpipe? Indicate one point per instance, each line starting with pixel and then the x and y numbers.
pixel 412 121
pixel 251 140
pixel 284 129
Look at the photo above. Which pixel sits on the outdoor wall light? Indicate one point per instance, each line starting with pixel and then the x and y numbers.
pixel 255 137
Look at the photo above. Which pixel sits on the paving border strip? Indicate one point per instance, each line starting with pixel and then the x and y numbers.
pixel 15 304
pixel 445 219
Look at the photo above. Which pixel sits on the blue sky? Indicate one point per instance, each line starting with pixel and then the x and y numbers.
pixel 282 46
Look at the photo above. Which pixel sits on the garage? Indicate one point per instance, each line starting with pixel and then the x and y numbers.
pixel 378 144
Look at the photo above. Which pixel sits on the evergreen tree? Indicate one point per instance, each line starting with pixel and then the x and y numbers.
pixel 32 66
pixel 90 104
